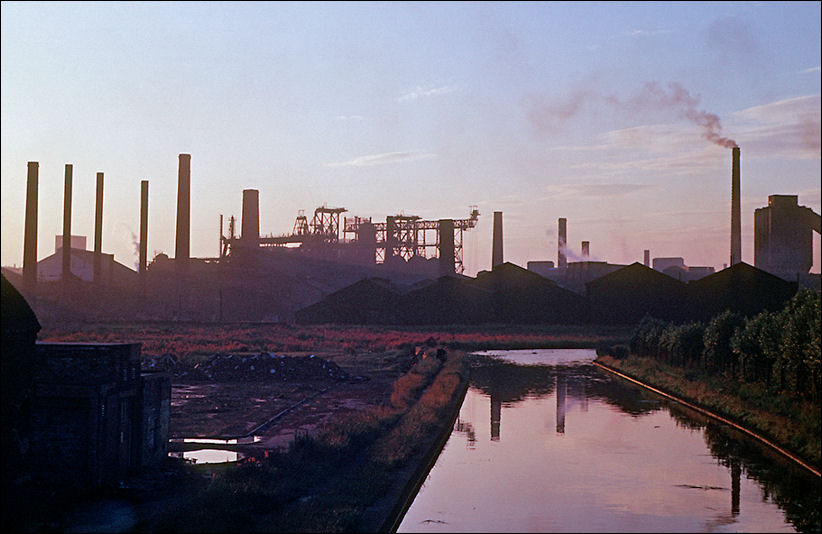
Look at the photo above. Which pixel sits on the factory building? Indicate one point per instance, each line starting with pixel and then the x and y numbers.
pixel 783 237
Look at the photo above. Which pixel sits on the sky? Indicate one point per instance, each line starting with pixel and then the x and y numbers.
pixel 612 115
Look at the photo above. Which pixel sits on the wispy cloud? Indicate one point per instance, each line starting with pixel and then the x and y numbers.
pixel 810 70
pixel 349 117
pixel 594 190
pixel 785 128
pixel 424 91
pixel 645 33
pixel 381 159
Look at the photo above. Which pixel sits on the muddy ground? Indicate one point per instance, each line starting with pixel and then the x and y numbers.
pixel 264 400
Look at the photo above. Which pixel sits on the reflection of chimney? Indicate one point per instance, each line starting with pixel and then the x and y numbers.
pixel 562 388
pixel 736 476
pixel 182 249
pixel 647 262
pixel 251 218
pixel 586 248
pixel 561 240
pixel 30 238
pixel 446 246
pixel 496 252
pixel 496 417
pixel 143 226
pixel 66 272
pixel 736 225
pixel 98 229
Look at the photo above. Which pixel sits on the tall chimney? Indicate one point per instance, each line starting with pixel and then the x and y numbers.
pixel 736 224
pixel 30 237
pixel 251 218
pixel 586 249
pixel 182 249
pixel 143 227
pixel 647 261
pixel 66 272
pixel 496 253
pixel 446 246
pixel 561 240
pixel 98 230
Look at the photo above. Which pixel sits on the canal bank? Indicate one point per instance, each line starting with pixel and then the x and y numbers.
pixel 611 365
pixel 387 513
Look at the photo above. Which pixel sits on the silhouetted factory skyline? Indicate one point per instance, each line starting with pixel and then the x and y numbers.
pixel 327 253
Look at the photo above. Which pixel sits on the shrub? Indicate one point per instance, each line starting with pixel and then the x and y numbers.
pixel 717 355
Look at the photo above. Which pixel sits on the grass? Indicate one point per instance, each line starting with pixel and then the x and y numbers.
pixel 326 482
pixel 198 340
pixel 792 424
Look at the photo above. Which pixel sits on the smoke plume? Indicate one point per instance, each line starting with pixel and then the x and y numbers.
pixel 676 98
pixel 547 114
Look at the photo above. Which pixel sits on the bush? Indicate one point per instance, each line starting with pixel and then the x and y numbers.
pixel 646 336
pixel 717 355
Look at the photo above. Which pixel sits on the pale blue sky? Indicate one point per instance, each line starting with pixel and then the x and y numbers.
pixel 538 110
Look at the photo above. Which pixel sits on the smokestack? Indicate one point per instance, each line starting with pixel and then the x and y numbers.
pixel 182 249
pixel 30 237
pixel 98 229
pixel 561 240
pixel 143 227
pixel 586 248
pixel 647 262
pixel 496 253
pixel 736 224
pixel 446 246
pixel 66 272
pixel 251 218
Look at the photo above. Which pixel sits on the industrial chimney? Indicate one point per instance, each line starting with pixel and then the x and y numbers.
pixel 496 253
pixel 586 249
pixel 561 240
pixel 251 218
pixel 30 237
pixel 66 271
pixel 98 229
pixel 182 248
pixel 647 262
pixel 446 246
pixel 143 227
pixel 736 224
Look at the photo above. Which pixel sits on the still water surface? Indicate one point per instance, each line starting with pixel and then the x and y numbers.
pixel 546 442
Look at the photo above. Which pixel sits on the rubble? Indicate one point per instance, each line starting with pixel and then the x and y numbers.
pixel 255 367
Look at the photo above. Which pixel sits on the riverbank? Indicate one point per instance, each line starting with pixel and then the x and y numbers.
pixel 794 428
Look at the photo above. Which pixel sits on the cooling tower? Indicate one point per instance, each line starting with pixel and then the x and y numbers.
pixel 182 247
pixel 66 270
pixel 496 253
pixel 446 246
pixel 251 218
pixel 30 237
pixel 561 240
pixel 143 226
pixel 98 229
pixel 736 224
pixel 586 249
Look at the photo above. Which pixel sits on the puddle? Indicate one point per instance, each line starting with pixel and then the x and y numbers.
pixel 212 456
pixel 208 456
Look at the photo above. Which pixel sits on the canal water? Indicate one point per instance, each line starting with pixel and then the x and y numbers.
pixel 547 442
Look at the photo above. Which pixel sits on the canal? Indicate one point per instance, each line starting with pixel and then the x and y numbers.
pixel 547 442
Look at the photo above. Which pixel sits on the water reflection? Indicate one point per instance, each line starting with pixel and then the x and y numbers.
pixel 582 451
